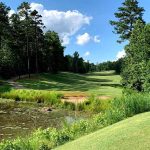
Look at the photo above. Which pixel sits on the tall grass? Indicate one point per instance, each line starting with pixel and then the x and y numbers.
pixel 49 138
pixel 39 96
pixel 93 104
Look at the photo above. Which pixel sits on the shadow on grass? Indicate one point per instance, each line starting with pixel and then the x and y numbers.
pixel 112 85
pixel 5 87
pixel 66 82
pixel 105 73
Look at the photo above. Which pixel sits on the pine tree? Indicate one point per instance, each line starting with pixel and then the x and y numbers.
pixel 127 16
pixel 24 12
pixel 137 62
pixel 4 22
pixel 37 23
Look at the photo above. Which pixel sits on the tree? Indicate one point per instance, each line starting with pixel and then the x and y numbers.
pixel 68 62
pixel 127 16
pixel 24 12
pixel 4 22
pixel 54 51
pixel 17 43
pixel 37 23
pixel 75 62
pixel 6 62
pixel 25 49
pixel 137 61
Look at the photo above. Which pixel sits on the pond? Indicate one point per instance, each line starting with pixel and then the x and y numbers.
pixel 20 119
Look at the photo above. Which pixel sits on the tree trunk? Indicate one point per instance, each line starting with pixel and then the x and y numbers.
pixel 36 49
pixel 28 56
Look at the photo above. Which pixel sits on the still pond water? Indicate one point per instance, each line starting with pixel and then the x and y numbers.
pixel 20 119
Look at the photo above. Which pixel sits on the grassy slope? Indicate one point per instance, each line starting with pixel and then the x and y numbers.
pixel 130 134
pixel 100 83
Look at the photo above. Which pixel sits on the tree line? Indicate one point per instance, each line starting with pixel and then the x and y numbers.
pixel 111 65
pixel 26 49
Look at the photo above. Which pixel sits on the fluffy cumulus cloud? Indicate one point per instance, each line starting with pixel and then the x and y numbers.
pixel 85 38
pixel 121 54
pixel 87 54
pixel 65 23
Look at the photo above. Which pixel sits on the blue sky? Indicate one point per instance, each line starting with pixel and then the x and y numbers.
pixel 83 25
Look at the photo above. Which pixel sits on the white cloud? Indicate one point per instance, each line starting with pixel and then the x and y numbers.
pixel 83 39
pixel 121 54
pixel 38 7
pixel 65 24
pixel 65 40
pixel 87 54
pixel 96 39
pixel 11 12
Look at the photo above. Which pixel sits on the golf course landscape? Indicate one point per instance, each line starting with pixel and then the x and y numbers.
pixel 74 75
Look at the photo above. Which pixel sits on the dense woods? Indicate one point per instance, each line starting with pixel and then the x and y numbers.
pixel 26 49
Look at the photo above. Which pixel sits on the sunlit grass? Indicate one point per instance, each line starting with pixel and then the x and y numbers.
pixel 38 96
pixel 98 83
pixel 130 134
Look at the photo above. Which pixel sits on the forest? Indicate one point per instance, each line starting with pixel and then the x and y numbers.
pixel 25 48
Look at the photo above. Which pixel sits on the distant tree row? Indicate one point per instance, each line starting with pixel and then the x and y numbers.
pixel 76 64
pixel 26 49
pixel 111 65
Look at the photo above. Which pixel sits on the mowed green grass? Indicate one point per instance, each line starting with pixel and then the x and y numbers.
pixel 98 83
pixel 130 134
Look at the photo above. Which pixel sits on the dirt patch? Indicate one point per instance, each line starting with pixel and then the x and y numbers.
pixel 74 99
pixel 74 94
pixel 81 99
pixel 104 97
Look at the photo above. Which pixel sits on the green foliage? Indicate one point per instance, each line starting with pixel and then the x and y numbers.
pixel 77 64
pixel 54 52
pixel 93 104
pixel 38 96
pixel 4 87
pixel 111 65
pixel 127 16
pixel 136 67
pixel 7 62
pixel 124 135
pixel 4 24
pixel 26 49
pixel 119 109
